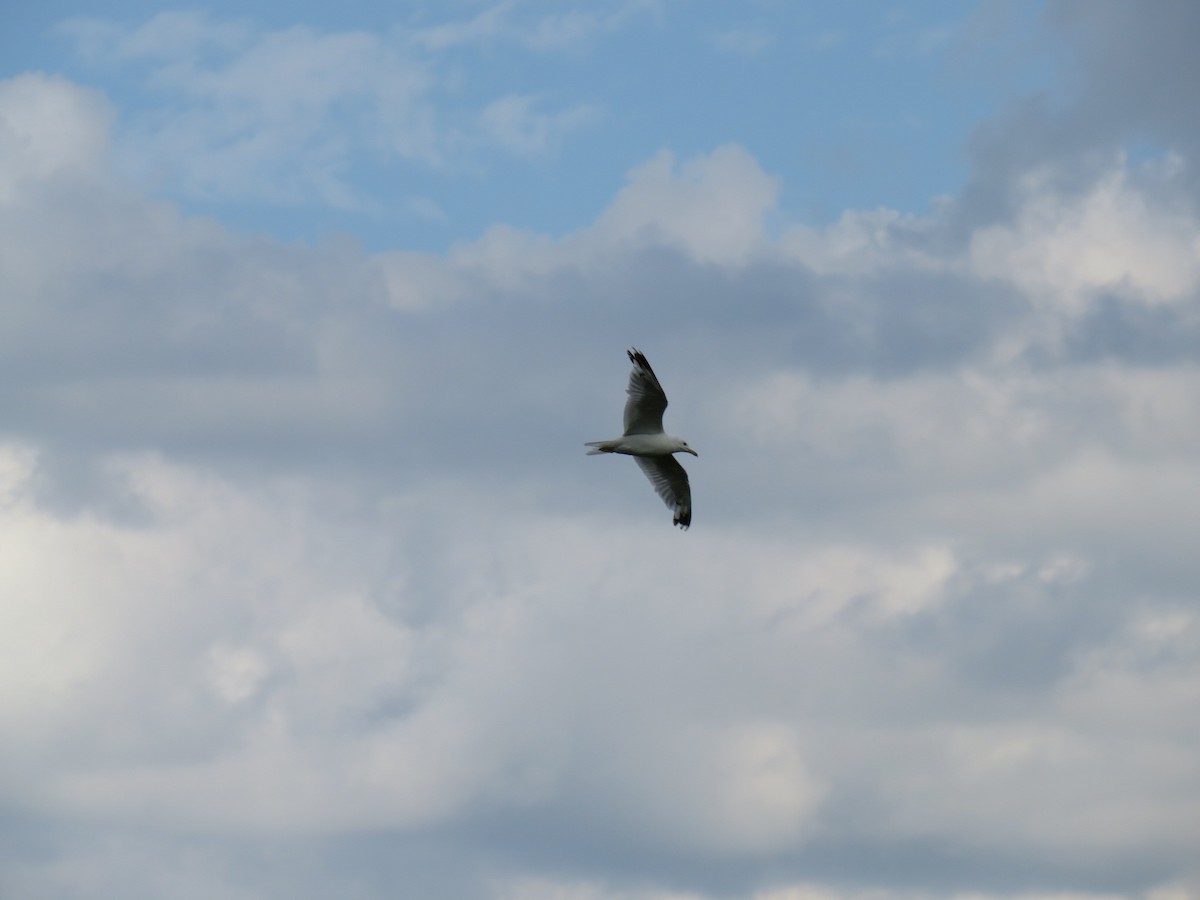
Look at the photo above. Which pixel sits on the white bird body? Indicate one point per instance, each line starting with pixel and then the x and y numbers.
pixel 661 444
pixel 650 446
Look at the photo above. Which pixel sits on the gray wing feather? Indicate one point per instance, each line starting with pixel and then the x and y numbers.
pixel 647 400
pixel 670 481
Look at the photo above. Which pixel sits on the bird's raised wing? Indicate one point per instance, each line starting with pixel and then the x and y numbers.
pixel 647 401
pixel 670 480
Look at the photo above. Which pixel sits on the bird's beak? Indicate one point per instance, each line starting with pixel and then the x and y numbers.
pixel 693 452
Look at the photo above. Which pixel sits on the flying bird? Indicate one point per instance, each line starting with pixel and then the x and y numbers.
pixel 645 440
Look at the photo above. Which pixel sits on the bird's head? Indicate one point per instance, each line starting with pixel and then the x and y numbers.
pixel 683 447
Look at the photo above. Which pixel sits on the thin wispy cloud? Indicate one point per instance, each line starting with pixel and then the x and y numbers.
pixel 532 27
pixel 167 37
pixel 743 41
pixel 238 112
pixel 517 124
pixel 282 116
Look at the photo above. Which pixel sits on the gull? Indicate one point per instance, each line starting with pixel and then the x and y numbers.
pixel 645 440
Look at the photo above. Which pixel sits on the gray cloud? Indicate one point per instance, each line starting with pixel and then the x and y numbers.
pixel 316 593
pixel 1129 84
pixel 1121 329
pixel 1136 65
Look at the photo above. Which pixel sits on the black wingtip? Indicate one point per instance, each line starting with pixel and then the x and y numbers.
pixel 683 520
pixel 638 358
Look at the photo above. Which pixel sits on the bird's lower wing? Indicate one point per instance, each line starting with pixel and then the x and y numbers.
pixel 670 481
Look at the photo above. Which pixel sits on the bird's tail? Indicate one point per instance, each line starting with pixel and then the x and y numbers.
pixel 599 447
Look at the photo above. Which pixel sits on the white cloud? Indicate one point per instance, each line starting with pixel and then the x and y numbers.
pixel 49 128
pixel 515 123
pixel 861 241
pixel 168 37
pixel 305 548
pixel 230 112
pixel 1064 250
pixel 282 116
pixel 544 32
pixel 743 41
pixel 711 207
pixel 730 788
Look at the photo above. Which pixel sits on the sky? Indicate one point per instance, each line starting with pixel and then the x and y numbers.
pixel 308 590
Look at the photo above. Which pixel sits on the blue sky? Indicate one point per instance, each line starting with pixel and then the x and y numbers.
pixel 308 588
pixel 533 112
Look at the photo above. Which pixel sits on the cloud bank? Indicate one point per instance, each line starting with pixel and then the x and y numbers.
pixel 309 589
